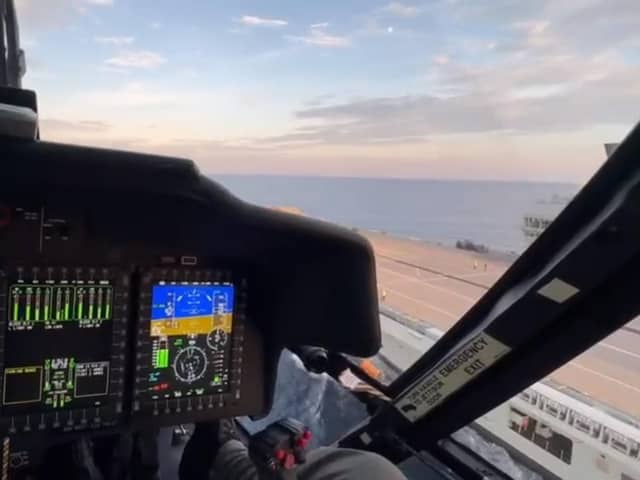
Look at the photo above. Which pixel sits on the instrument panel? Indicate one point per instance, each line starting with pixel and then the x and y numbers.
pixel 65 340
pixel 135 292
pixel 100 336
pixel 190 345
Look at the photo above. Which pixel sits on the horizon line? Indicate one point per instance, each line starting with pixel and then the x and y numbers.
pixel 359 177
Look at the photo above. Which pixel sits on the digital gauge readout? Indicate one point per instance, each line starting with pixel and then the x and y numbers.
pixel 190 330
pixel 59 343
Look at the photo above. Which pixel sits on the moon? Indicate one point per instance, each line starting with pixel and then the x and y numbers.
pixel 389 29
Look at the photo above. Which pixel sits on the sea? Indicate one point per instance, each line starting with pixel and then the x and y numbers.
pixel 439 211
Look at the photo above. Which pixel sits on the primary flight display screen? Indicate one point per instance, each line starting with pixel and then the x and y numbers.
pixel 58 344
pixel 190 330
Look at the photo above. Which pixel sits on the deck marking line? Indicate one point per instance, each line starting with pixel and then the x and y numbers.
pixel 428 305
pixel 617 349
pixel 428 285
pixel 606 377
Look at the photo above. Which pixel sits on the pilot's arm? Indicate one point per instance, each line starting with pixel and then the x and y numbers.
pixel 215 448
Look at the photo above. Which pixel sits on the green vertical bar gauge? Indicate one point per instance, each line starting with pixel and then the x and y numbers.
pixel 164 358
pixel 92 294
pixel 99 315
pixel 37 305
pixel 27 309
pixel 80 302
pixel 16 305
pixel 107 304
pixel 58 309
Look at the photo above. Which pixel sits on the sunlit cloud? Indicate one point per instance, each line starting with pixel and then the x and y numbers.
pixel 319 100
pixel 547 96
pixel 400 10
pixel 116 41
pixel 137 59
pixel 36 15
pixel 532 27
pixel 318 37
pixel 254 21
pixel 131 95
pixel 441 59
pixel 110 69
pixel 137 95
pixel 379 20
pixel 554 78
pixel 65 126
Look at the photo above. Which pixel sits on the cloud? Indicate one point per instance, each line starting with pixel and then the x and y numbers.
pixel 547 96
pixel 156 25
pixel 55 126
pixel 549 24
pixel 378 21
pixel 492 69
pixel 441 59
pixel 532 27
pixel 117 41
pixel 109 69
pixel 320 100
pixel 142 95
pixel 130 95
pixel 254 21
pixel 96 133
pixel 136 59
pixel 318 37
pixel 34 15
pixel 561 67
pixel 400 10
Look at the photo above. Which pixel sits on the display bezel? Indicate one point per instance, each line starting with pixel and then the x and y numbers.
pixel 73 417
pixel 143 403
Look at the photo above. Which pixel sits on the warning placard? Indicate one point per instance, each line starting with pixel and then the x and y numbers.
pixel 457 370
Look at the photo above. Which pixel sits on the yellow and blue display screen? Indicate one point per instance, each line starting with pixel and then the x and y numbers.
pixel 191 309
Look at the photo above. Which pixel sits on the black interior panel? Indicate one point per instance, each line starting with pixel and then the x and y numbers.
pixel 95 222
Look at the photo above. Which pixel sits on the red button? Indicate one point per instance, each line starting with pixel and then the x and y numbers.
pixel 289 462
pixel 302 442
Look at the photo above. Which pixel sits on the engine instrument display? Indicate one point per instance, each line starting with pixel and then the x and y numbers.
pixel 190 330
pixel 63 354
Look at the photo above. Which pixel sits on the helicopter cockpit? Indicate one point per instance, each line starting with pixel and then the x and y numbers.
pixel 138 294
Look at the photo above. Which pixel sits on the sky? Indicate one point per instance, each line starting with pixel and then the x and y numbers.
pixel 473 89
